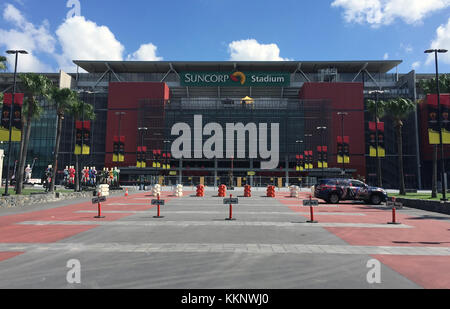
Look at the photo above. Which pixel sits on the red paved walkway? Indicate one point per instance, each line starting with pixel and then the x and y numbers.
pixel 426 271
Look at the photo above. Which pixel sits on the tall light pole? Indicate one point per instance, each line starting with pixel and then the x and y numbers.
pixel 443 173
pixel 322 130
pixel 379 178
pixel 11 113
pixel 342 114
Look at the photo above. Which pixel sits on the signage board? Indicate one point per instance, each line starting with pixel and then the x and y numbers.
pixel 97 200
pixel 157 202
pixel 235 79
pixel 310 202
pixel 231 201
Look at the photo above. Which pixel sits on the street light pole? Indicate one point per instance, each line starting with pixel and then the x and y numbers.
pixel 443 173
pixel 342 114
pixel 11 113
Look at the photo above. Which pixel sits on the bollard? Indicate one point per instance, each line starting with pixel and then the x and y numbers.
pixel 230 218
pixel 247 191
pixel 158 216
pixel 99 216
pixel 393 217
pixel 311 211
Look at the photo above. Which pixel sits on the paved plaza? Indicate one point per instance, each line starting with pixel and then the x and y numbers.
pixel 270 245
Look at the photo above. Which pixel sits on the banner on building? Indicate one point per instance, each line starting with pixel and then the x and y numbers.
pixel 82 138
pixel 433 119
pixel 119 149
pixel 141 157
pixel 16 131
pixel 373 142
pixel 343 150
pixel 322 161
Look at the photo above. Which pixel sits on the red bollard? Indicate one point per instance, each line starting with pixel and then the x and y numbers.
pixel 311 211
pixel 230 218
pixel 99 216
pixel 158 216
pixel 393 217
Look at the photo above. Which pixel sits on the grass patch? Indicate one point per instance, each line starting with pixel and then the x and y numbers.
pixel 29 191
pixel 418 196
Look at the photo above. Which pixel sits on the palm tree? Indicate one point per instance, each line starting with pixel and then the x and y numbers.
pixel 35 87
pixel 80 111
pixel 429 87
pixel 378 112
pixel 399 109
pixel 63 100
pixel 3 63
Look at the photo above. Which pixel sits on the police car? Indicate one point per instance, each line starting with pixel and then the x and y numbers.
pixel 335 190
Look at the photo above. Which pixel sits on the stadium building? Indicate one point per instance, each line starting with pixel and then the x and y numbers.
pixel 315 106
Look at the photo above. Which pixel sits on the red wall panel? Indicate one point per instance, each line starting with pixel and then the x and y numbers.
pixel 348 97
pixel 125 97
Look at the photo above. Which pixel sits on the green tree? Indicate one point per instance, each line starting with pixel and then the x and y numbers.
pixel 378 112
pixel 429 87
pixel 399 109
pixel 63 100
pixel 80 111
pixel 35 87
pixel 3 63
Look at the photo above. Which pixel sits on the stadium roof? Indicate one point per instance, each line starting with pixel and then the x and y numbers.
pixel 380 66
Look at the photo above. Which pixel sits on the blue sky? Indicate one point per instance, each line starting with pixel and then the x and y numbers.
pixel 226 30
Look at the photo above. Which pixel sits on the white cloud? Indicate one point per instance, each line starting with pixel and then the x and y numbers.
pixel 407 48
pixel 25 35
pixel 386 56
pixel 147 52
pixel 416 65
pixel 384 12
pixel 79 39
pixel 82 39
pixel 441 41
pixel 251 50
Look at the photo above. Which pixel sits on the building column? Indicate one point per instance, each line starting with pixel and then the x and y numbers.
pixel 251 176
pixel 287 170
pixel 215 172
pixel 180 173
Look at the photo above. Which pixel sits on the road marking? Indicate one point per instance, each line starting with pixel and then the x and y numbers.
pixel 290 213
pixel 233 248
pixel 216 223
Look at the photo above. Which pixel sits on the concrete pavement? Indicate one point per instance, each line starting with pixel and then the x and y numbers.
pixel 270 245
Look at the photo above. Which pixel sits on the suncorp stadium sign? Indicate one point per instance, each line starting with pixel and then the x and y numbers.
pixel 235 79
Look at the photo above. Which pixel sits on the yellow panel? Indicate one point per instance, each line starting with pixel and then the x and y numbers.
pixel 445 136
pixel 16 135
pixel 381 152
pixel 346 159
pixel 138 164
pixel 115 158
pixel 77 150
pixel 433 137
pixel 280 182
pixel 86 150
pixel 319 164
pixel 325 165
pixel 4 134
pixel 372 151
pixel 202 180
pixel 158 164
pixel 239 182
pixel 311 166
pixel 154 164
pixel 121 158
pixel 339 159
